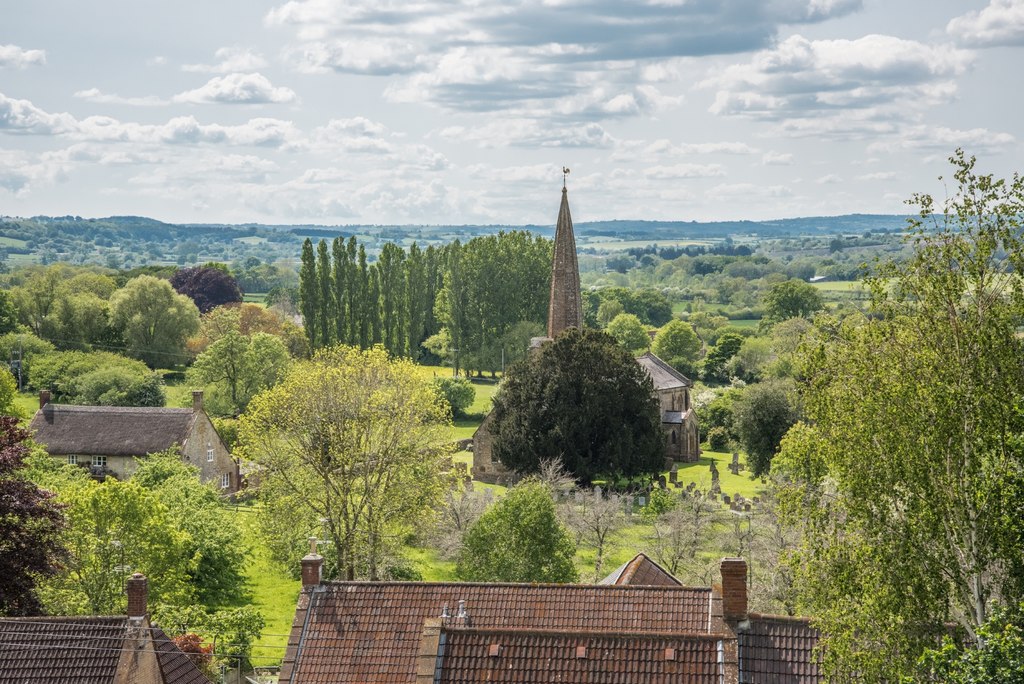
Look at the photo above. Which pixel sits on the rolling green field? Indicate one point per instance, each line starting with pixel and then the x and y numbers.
pixel 12 242
pixel 840 286
pixel 611 244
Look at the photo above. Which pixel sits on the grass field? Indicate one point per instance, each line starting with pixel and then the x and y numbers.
pixel 840 286
pixel 255 297
pixel 607 244
pixel 12 242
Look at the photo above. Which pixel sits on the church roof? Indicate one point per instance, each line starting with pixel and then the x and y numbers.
pixel 565 309
pixel 641 571
pixel 663 375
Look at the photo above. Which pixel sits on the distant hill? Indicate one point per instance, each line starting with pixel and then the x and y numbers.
pixel 127 241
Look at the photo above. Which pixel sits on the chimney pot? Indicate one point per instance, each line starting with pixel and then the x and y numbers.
pixel 44 398
pixel 734 588
pixel 312 566
pixel 137 589
pixel 197 400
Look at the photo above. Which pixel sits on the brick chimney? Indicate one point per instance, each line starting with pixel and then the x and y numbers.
pixel 137 588
pixel 734 588
pixel 312 566
pixel 197 400
pixel 44 398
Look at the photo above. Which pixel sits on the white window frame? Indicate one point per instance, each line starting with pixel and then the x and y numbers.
pixel 72 459
pixel 209 452
pixel 100 461
pixel 225 480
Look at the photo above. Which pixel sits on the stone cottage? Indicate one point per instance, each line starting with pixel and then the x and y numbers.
pixel 109 439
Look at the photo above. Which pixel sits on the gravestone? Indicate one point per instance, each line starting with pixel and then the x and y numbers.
pixel 735 466
pixel 746 507
pixel 715 486
pixel 661 482
pixel 673 476
pixel 725 499
pixel 690 486
pixel 641 501
pixel 757 499
pixel 469 483
pixel 597 490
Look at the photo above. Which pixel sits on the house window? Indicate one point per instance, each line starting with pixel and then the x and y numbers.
pixel 72 459
pixel 225 480
pixel 100 461
pixel 209 452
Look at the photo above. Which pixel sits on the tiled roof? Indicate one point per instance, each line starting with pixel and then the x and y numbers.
pixel 68 650
pixel 777 650
pixel 642 571
pixel 110 430
pixel 469 656
pixel 663 375
pixel 371 631
pixel 81 650
pixel 175 666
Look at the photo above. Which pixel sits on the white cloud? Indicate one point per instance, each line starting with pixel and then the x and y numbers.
pixel 1000 23
pixel 15 57
pixel 943 139
pixel 677 171
pixel 95 95
pixel 877 175
pixel 237 89
pixel 21 116
pixel 811 78
pixel 530 133
pixel 829 179
pixel 230 60
pixel 777 159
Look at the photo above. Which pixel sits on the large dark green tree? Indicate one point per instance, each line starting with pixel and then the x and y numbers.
pixel 583 399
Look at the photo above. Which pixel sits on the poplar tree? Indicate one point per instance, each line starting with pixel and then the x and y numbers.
pixel 325 289
pixel 340 278
pixel 309 292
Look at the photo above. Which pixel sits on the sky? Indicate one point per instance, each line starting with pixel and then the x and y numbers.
pixel 466 111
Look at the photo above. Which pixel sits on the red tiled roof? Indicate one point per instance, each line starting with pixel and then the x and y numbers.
pixel 371 631
pixel 642 571
pixel 777 650
pixel 514 657
pixel 69 650
pixel 175 666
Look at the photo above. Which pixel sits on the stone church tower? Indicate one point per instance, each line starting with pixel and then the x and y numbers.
pixel 565 309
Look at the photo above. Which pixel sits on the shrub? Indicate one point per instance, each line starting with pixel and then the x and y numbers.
pixel 718 439
pixel 458 393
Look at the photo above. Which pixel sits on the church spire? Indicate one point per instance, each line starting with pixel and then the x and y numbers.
pixel 565 309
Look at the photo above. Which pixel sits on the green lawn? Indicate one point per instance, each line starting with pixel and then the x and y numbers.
pixel 840 285
pixel 12 242
pixel 745 323
pixel 255 297
pixel 700 472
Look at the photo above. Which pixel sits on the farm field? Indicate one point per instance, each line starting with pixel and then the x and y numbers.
pixel 612 244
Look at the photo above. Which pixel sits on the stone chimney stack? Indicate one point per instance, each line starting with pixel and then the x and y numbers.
pixel 312 566
pixel 197 400
pixel 138 589
pixel 44 398
pixel 734 588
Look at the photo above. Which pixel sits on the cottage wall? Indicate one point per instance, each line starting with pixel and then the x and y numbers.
pixel 196 451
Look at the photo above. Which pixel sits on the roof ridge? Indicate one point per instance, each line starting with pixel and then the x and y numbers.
pixel 780 618
pixel 538 585
pixel 530 631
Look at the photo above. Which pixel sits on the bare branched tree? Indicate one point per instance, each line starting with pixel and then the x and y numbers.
pixel 595 517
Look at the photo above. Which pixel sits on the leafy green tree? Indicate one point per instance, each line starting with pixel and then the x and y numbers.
pixel 114 529
pixel 118 386
pixel 997 658
pixel 715 369
pixel 28 348
pixel 917 423
pixel 31 523
pixel 629 332
pixel 155 320
pixel 231 631
pixel 238 367
pixel 356 439
pixel 214 544
pixel 607 311
pixel 791 299
pixel 458 393
pixel 8 313
pixel 762 415
pixel 678 345
pixel 8 392
pixel 309 293
pixel 519 539
pixel 582 399
pixel 327 306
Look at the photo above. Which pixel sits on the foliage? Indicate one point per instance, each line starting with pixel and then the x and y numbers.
pixel 582 399
pixel 629 332
pixel 519 539
pixel 26 346
pixel 31 523
pixel 207 286
pixel 791 299
pixel 154 319
pixel 997 658
pixel 917 423
pixel 718 438
pixel 356 439
pixel 659 502
pixel 595 517
pixel 8 392
pixel 238 367
pixel 718 356
pixel 191 644
pixel 114 529
pixel 231 631
pixel 680 532
pixel 678 345
pixel 458 393
pixel 97 378
pixel 8 313
pixel 214 541
pixel 762 415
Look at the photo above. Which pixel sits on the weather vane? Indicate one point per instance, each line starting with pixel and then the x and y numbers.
pixel 565 174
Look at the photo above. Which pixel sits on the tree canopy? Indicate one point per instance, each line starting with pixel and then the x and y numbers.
pixel 791 299
pixel 519 539
pixel 582 399
pixel 155 320
pixel 207 286
pixel 678 346
pixel 629 332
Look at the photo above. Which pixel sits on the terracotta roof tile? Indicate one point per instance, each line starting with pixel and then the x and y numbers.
pixel 777 650
pixel 525 657
pixel 371 631
pixel 642 571
pixel 175 666
pixel 68 650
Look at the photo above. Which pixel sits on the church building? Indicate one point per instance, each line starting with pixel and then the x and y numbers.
pixel 565 310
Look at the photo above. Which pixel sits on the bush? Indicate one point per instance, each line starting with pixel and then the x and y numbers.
pixel 119 386
pixel 458 393
pixel 718 439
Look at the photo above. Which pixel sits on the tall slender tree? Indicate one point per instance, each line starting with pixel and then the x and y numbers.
pixel 326 295
pixel 309 299
pixel 416 299
pixel 340 278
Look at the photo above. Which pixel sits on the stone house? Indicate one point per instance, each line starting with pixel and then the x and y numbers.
pixel 109 439
pixel 678 419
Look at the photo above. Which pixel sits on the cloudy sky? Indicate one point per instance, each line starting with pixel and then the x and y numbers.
pixel 464 111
